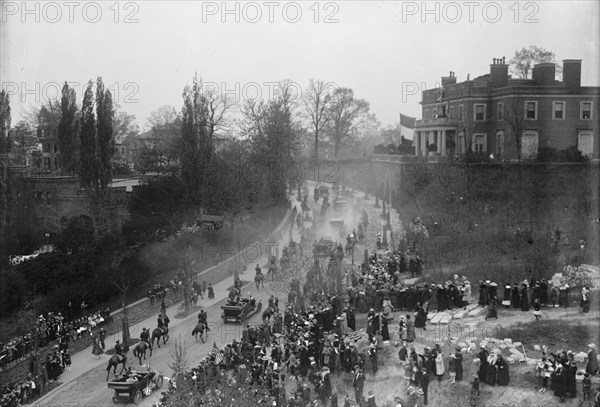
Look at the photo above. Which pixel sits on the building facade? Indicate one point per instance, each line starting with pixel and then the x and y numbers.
pixel 504 118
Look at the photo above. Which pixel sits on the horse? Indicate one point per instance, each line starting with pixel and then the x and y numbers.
pixel 268 313
pixel 199 329
pixel 115 360
pixel 349 247
pixel 158 333
pixel 272 271
pixel 140 350
pixel 259 279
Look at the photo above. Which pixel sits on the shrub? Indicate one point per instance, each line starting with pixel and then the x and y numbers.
pixel 546 154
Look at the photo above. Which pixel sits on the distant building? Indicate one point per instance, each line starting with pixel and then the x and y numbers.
pixel 47 132
pixel 484 114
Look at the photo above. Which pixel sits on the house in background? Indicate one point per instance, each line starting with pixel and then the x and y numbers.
pixel 486 115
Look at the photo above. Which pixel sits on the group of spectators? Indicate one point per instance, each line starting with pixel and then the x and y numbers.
pixel 50 328
pixel 558 372
pixel 380 281
pixel 42 372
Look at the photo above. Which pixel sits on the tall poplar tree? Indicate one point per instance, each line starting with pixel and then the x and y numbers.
pixel 68 130
pixel 4 144
pixel 197 145
pixel 4 122
pixel 88 171
pixel 104 135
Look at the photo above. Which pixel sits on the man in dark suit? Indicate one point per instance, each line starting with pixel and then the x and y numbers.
pixel 424 383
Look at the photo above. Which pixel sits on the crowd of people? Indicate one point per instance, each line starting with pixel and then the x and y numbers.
pixel 50 328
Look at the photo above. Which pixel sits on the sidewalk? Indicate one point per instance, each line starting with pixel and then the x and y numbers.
pixel 83 361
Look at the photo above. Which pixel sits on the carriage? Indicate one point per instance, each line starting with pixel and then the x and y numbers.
pixel 239 313
pixel 340 205
pixel 323 248
pixel 134 392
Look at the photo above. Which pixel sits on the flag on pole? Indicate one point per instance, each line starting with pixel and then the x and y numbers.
pixel 407 126
pixel 217 353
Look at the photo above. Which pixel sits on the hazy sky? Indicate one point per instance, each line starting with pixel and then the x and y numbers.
pixel 147 51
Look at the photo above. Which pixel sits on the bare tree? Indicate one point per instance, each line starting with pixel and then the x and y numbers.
pixel 514 110
pixel 162 117
pixel 180 362
pixel 317 101
pixel 522 62
pixel 124 285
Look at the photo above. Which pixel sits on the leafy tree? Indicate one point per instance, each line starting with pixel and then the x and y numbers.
pixel 347 116
pixel 88 170
pixel 104 135
pixel 524 59
pixel 68 130
pixel 23 139
pixel 274 133
pixel 317 102
pixel 124 125
pixel 197 147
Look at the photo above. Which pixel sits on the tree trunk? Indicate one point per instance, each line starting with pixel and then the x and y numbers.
pixel 125 322
pixel 317 145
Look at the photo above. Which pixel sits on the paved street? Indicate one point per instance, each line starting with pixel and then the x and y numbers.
pixel 86 383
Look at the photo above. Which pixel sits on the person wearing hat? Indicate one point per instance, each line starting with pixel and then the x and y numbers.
pixel 502 368
pixel 458 360
pixel 483 299
pixel 524 297
pixel 358 383
pixel 592 362
pixel 371 399
pixel 96 348
pixel 492 311
pixel 515 297
pixel 439 366
pixel 145 336
pixel 587 386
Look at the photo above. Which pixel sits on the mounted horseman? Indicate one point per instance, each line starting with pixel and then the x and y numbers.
pixel 259 278
pixel 161 331
pixel 143 345
pixel 119 358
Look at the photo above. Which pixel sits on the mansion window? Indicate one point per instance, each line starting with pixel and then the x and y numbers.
pixel 586 110
pixel 460 112
pixel 558 110
pixel 479 144
pixel 479 113
pixel 426 115
pixel 451 112
pixel 531 110
pixel 500 111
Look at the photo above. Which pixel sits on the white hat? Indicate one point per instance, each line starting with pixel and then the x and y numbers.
pixel 592 345
pixel 487 281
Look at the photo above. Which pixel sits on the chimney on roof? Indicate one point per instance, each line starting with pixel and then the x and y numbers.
pixel 498 73
pixel 543 74
pixel 450 79
pixel 572 73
